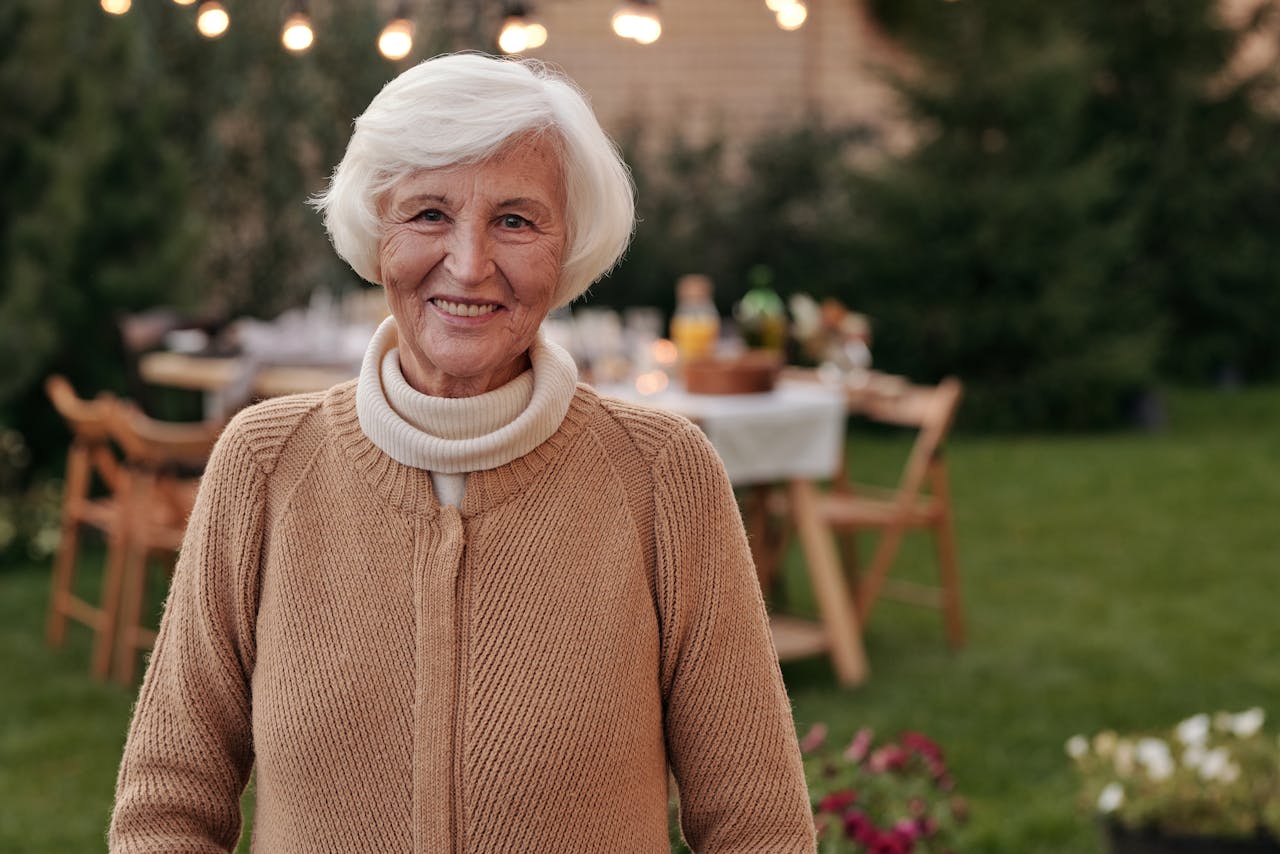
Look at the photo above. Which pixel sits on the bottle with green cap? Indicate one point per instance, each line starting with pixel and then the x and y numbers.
pixel 761 314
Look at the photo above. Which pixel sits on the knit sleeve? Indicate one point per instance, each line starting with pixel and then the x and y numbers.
pixel 730 736
pixel 189 749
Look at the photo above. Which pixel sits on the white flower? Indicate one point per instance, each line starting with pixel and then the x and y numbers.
pixel 1110 798
pixel 1104 742
pixel 1161 768
pixel 1151 750
pixel 1123 759
pixel 1153 754
pixel 1194 730
pixel 1223 721
pixel 1077 746
pixel 1248 723
pixel 1215 764
pixel 1193 756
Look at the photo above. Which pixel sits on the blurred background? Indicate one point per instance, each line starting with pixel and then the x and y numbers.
pixel 1071 207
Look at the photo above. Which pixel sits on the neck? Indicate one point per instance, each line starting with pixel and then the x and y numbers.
pixel 431 380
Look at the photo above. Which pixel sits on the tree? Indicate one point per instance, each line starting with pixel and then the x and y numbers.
pixel 1078 212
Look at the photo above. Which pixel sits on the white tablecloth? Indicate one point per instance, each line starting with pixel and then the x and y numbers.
pixel 794 432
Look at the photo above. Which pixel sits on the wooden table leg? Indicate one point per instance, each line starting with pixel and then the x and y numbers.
pixel 839 617
pixel 762 535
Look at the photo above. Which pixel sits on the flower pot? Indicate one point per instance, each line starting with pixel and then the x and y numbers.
pixel 1122 840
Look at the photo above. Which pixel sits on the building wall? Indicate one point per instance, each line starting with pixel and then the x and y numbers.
pixel 722 65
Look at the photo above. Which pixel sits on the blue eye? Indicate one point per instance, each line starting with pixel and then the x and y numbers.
pixel 514 221
pixel 431 215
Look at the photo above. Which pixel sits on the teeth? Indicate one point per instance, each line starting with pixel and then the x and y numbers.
pixel 462 309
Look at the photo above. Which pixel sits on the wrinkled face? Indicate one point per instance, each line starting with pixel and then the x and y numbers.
pixel 470 258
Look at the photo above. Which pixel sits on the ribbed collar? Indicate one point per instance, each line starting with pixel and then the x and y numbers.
pixel 458 435
pixel 408 489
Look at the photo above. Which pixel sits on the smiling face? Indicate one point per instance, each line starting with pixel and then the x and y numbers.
pixel 470 258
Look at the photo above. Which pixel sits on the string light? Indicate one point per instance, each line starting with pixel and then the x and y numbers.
pixel 212 19
pixel 638 20
pixel 116 7
pixel 184 2
pixel 520 32
pixel 792 16
pixel 297 34
pixel 396 39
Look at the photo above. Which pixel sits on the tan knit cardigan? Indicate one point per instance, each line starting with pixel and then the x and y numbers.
pixel 517 675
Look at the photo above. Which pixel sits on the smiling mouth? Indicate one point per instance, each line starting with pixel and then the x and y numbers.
pixel 458 309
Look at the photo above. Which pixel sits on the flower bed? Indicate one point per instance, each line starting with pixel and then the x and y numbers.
pixel 1210 780
pixel 892 797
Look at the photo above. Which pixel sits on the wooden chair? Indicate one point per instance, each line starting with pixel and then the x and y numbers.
pixel 920 501
pixel 158 491
pixel 90 461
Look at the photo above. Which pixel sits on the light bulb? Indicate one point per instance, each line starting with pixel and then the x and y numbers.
pixel 397 39
pixel 212 20
pixel 184 2
pixel 624 22
pixel 116 7
pixel 514 37
pixel 791 17
pixel 776 6
pixel 297 35
pixel 537 35
pixel 647 30
pixel 638 21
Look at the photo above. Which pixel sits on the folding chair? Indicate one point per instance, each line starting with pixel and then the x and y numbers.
pixel 89 460
pixel 921 501
pixel 158 491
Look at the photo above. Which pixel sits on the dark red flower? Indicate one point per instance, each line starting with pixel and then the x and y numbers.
pixel 890 757
pixel 891 843
pixel 922 744
pixel 837 801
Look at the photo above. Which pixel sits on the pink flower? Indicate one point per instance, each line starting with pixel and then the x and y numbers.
pixel 857 749
pixel 814 738
pixel 907 827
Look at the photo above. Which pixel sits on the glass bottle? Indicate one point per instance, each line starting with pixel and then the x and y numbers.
pixel 695 326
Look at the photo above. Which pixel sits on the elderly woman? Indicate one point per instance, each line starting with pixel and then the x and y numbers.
pixel 464 603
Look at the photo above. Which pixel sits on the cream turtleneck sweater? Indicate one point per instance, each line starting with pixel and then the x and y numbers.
pixel 449 437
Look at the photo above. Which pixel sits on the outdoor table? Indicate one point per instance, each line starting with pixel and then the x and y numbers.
pixel 228 382
pixel 792 436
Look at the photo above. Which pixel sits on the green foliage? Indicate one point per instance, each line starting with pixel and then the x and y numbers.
pixel 1089 204
pixel 145 165
pixel 781 202
pixel 93 208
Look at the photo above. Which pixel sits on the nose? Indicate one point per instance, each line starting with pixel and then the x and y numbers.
pixel 468 255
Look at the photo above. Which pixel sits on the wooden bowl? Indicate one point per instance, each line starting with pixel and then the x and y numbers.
pixel 753 372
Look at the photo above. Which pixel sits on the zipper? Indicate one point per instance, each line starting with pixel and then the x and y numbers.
pixel 459 697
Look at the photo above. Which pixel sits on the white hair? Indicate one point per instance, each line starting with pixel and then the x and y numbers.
pixel 462 108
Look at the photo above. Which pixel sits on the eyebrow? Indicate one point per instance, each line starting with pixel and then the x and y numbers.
pixel 521 201
pixel 417 198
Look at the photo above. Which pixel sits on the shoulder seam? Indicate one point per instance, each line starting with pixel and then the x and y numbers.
pixel 267 460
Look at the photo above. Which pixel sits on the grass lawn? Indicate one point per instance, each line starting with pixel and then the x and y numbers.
pixel 1110 581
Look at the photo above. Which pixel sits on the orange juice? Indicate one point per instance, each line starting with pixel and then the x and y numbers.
pixel 695 335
